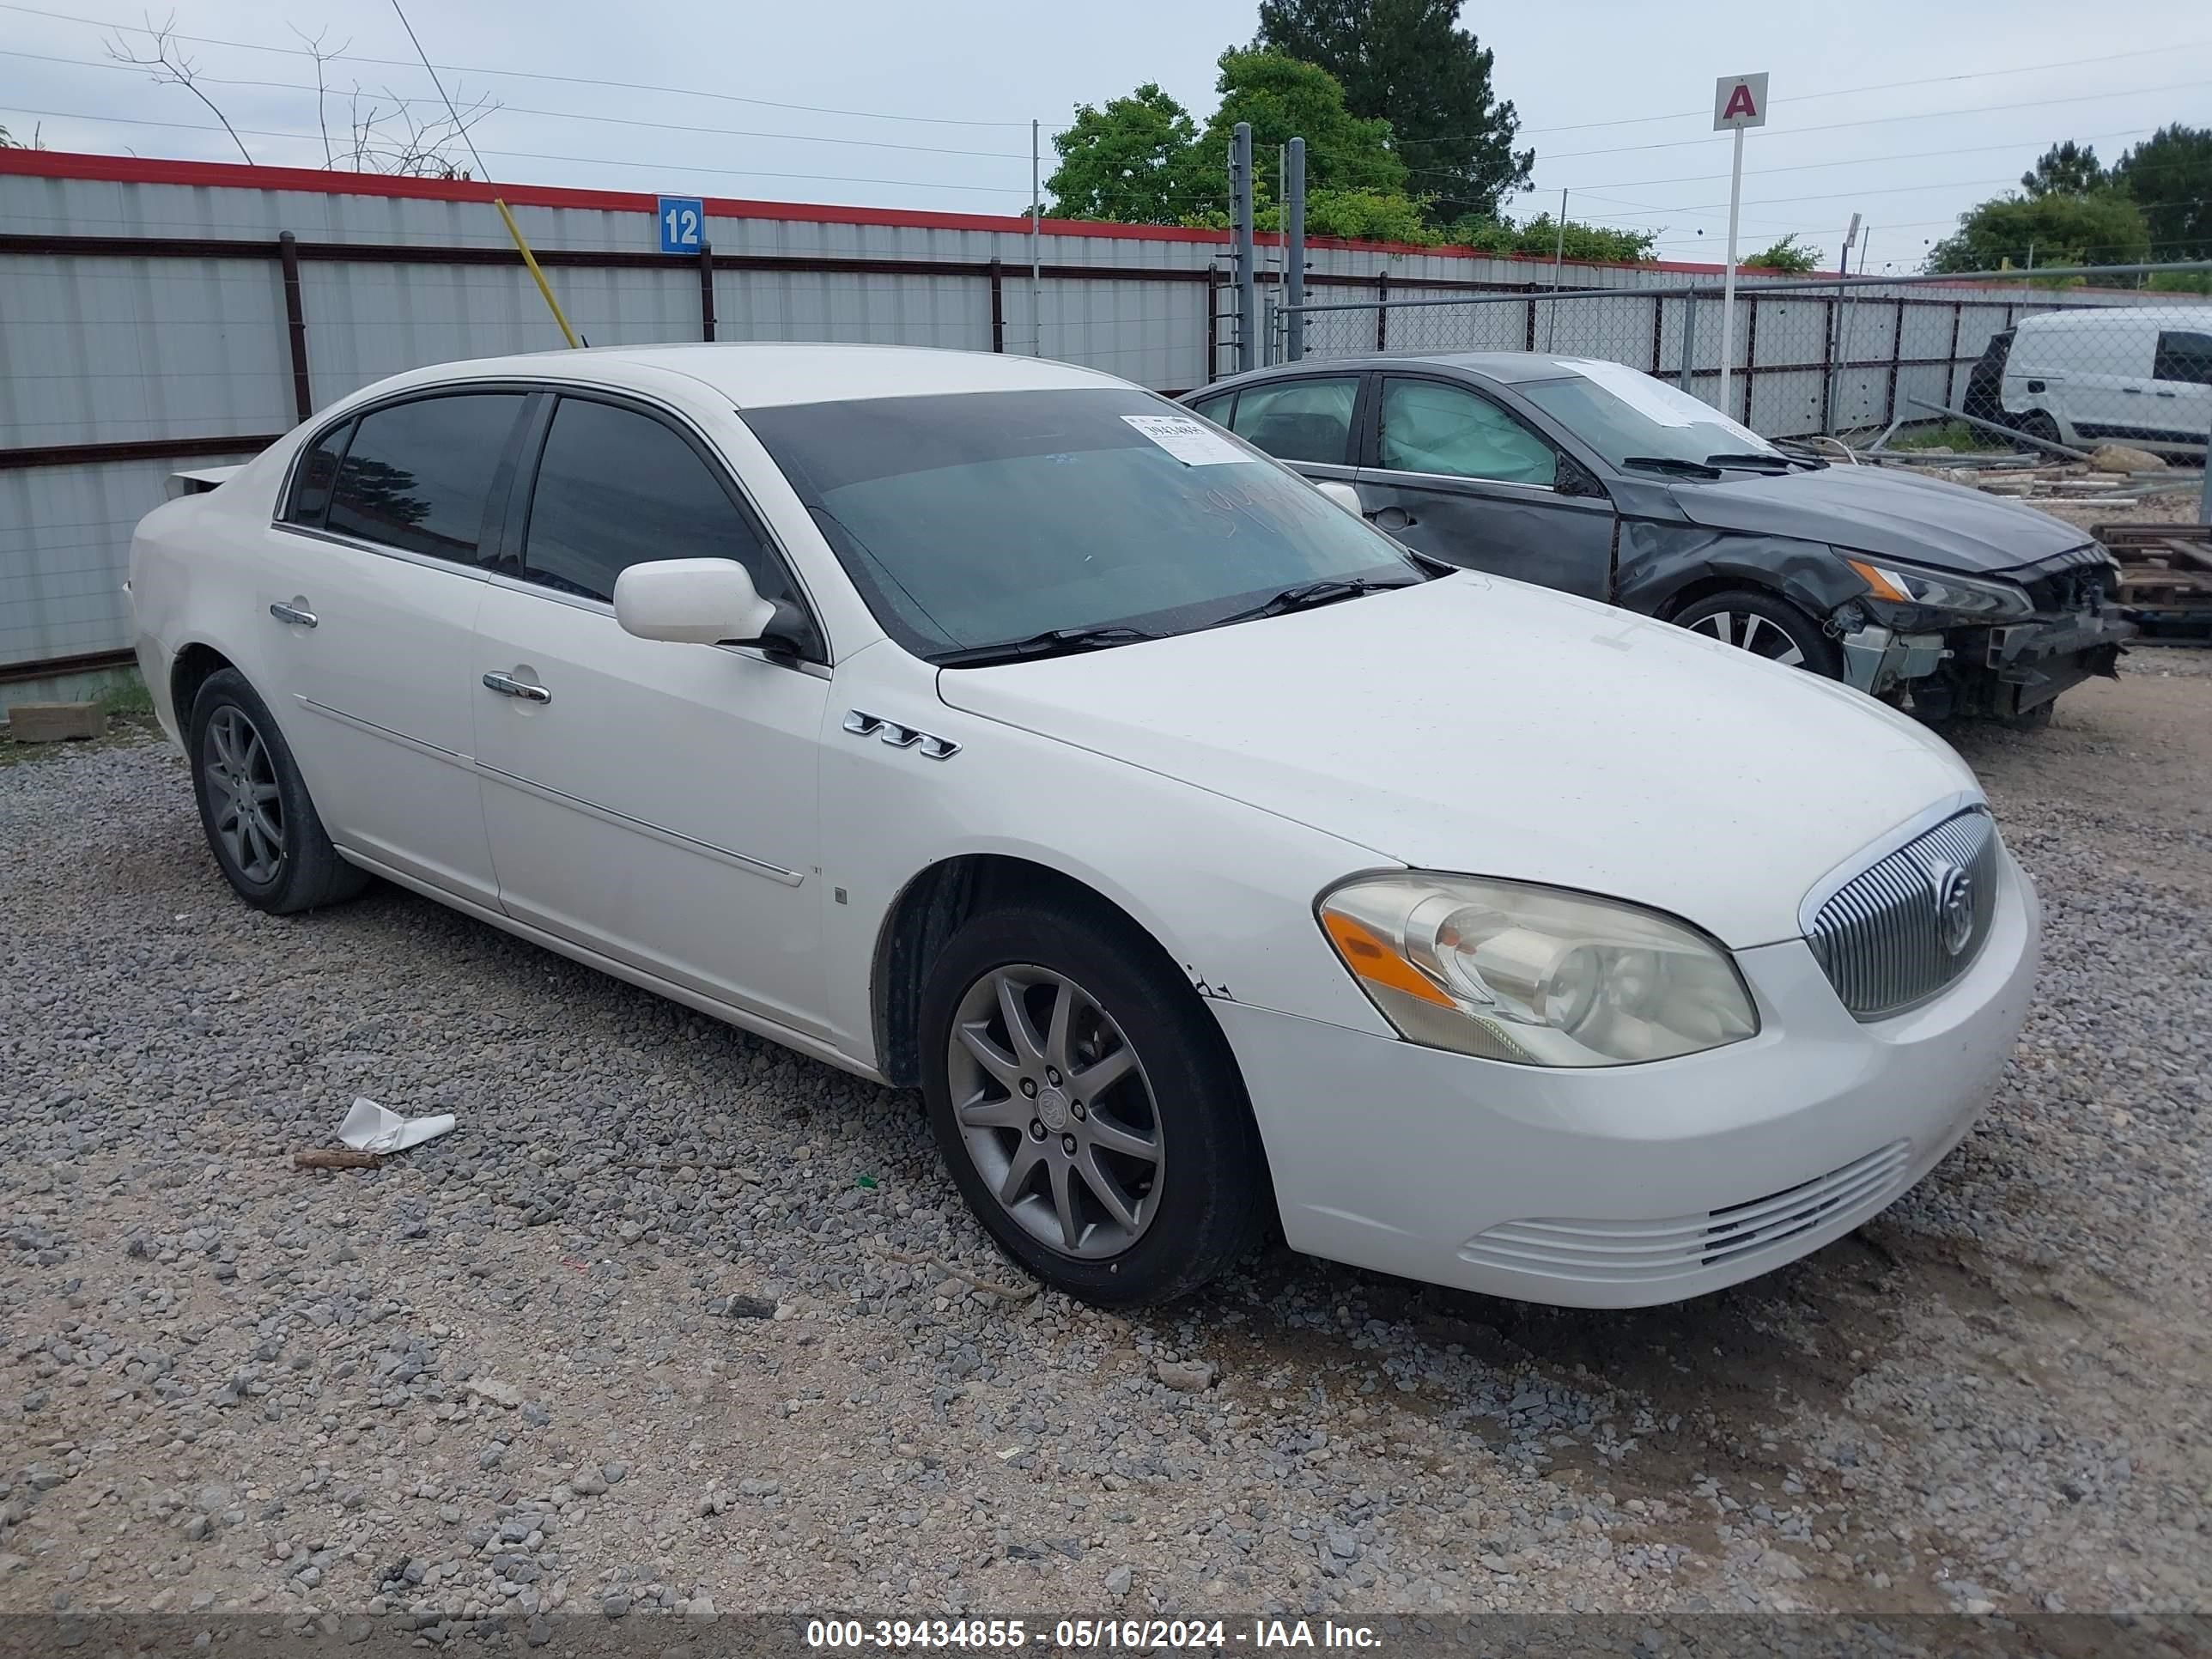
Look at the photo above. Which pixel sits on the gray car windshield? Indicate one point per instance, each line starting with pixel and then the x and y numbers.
pixel 982 519
pixel 1621 413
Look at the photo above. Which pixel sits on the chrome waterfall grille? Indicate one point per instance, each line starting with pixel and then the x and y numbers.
pixel 1900 931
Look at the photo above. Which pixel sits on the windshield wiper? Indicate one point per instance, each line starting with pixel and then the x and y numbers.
pixel 1052 642
pixel 1329 590
pixel 1755 460
pixel 1671 464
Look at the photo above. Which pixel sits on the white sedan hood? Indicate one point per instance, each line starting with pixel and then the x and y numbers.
pixel 1489 728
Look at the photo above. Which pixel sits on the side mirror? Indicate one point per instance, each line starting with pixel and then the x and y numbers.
pixel 693 602
pixel 1343 495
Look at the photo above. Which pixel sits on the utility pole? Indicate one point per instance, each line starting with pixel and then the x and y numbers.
pixel 1558 260
pixel 1294 250
pixel 1036 213
pixel 1240 231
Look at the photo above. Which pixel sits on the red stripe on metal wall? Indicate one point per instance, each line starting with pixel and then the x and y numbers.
pixel 235 175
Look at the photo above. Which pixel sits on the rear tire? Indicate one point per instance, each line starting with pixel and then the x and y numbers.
pixel 2038 425
pixel 1767 627
pixel 261 825
pixel 1139 1193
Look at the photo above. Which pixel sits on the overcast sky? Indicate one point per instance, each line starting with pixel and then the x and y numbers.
pixel 1615 97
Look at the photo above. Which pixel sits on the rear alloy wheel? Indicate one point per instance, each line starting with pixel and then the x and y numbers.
pixel 1087 1104
pixel 261 826
pixel 1767 627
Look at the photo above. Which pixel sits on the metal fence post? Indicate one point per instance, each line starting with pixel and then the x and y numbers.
pixel 1213 323
pixel 998 306
pixel 1294 253
pixel 1382 312
pixel 1689 338
pixel 1240 229
pixel 2204 495
pixel 296 324
pixel 706 290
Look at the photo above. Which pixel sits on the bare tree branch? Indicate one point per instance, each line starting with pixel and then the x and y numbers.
pixel 170 67
pixel 314 45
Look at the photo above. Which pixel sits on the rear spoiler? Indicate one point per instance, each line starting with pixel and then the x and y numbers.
pixel 199 480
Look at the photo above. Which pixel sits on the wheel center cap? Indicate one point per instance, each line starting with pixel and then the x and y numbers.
pixel 1051 1109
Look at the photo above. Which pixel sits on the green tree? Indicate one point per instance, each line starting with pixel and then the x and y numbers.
pixel 2102 228
pixel 1359 215
pixel 1286 99
pixel 1787 255
pixel 1407 61
pixel 2169 177
pixel 1539 238
pixel 2065 169
pixel 1136 161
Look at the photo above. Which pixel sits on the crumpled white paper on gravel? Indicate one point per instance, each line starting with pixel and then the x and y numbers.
pixel 368 1128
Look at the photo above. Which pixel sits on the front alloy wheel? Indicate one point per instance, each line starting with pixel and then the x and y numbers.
pixel 1766 626
pixel 1054 1111
pixel 1063 1059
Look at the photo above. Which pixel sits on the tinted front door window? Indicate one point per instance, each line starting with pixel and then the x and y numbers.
pixel 1298 420
pixel 1429 427
pixel 616 488
pixel 416 475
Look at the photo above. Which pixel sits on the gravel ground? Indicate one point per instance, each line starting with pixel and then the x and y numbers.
pixel 678 1321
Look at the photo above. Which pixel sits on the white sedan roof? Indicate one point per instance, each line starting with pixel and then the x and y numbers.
pixel 759 374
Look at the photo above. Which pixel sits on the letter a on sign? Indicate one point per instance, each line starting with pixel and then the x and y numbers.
pixel 1738 100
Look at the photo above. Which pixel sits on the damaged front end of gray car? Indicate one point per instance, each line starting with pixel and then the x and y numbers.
pixel 2000 647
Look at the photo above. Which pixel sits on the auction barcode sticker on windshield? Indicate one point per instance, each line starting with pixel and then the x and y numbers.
pixel 1189 440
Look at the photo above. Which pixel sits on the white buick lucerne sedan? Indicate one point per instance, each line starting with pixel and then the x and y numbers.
pixel 1207 859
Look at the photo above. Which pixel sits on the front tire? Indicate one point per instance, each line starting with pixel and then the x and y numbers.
pixel 261 825
pixel 1767 627
pixel 1088 1107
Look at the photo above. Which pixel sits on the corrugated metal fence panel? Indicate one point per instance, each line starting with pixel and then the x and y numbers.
pixel 1153 333
pixel 952 312
pixel 64 553
pixel 101 350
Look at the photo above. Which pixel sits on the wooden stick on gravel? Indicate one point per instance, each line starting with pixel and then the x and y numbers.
pixel 335 1158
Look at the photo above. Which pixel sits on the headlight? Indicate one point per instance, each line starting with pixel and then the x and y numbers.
pixel 1961 594
pixel 1533 974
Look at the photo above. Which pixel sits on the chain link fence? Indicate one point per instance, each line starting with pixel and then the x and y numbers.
pixel 1992 363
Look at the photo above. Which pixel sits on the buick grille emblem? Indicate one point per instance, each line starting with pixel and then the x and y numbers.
pixel 1954 907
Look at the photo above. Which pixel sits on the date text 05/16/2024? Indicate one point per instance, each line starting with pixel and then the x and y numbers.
pixel 1087 1635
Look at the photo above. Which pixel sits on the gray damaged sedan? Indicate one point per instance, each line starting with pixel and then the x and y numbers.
pixel 1594 479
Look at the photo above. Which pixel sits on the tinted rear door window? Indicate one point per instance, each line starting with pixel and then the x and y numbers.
pixel 616 488
pixel 416 475
pixel 2183 356
pixel 318 472
pixel 1299 420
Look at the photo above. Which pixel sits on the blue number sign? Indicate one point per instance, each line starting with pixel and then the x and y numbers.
pixel 683 223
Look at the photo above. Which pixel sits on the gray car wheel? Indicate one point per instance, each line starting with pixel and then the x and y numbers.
pixel 1087 1104
pixel 1766 626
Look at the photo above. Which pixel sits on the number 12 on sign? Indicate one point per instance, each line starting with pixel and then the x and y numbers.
pixel 683 223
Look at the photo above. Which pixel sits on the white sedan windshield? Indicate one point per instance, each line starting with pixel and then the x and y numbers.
pixel 978 518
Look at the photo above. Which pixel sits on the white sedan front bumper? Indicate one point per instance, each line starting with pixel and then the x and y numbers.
pixel 1636 1184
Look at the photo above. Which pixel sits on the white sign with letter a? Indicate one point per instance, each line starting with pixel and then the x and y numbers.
pixel 1740 100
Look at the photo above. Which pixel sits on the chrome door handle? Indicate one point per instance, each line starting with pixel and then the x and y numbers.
pixel 507 686
pixel 296 614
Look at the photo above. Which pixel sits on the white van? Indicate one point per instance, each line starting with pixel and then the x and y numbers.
pixel 2141 375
